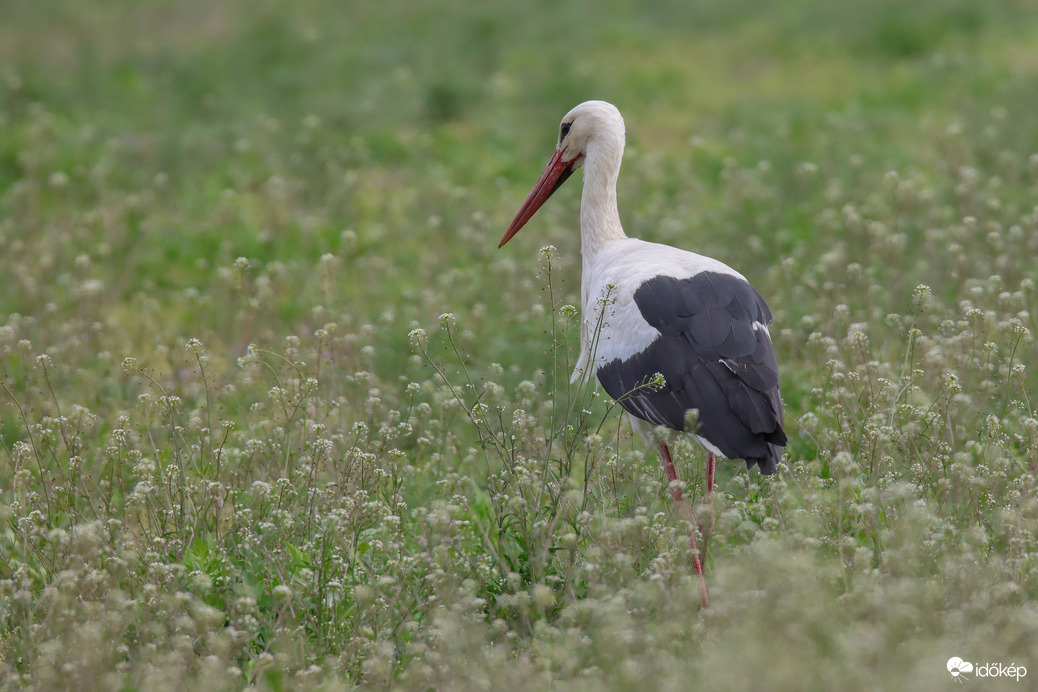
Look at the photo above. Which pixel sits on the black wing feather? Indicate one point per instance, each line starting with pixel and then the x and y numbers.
pixel 713 359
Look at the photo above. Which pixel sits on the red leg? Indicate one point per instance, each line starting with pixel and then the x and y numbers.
pixel 708 531
pixel 682 502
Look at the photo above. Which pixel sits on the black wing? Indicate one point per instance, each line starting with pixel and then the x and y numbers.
pixel 713 359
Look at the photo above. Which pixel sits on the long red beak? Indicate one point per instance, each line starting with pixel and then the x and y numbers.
pixel 554 175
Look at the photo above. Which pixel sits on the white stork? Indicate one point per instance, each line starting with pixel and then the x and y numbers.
pixel 649 308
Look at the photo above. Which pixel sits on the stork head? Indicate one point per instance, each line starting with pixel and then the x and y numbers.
pixel 595 129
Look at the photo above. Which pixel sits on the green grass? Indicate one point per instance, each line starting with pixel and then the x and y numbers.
pixel 277 413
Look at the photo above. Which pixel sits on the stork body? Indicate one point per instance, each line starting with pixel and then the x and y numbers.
pixel 649 308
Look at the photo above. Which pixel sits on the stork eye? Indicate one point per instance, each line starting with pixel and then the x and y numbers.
pixel 564 130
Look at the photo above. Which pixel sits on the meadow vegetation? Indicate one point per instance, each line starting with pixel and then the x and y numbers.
pixel 277 413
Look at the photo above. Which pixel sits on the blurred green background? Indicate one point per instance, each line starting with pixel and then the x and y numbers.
pixel 317 179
